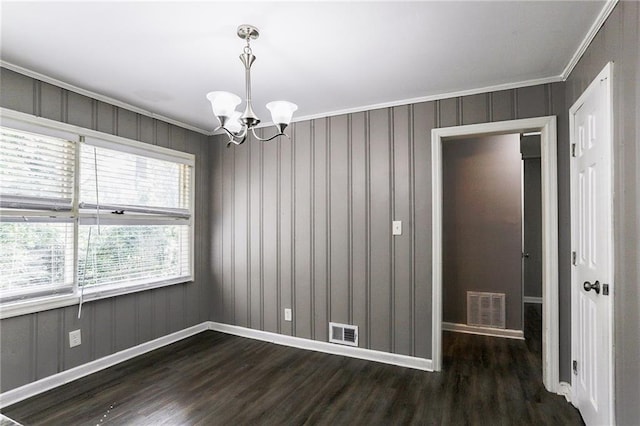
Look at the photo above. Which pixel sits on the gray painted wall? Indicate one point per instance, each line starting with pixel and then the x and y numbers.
pixel 619 41
pixel 482 224
pixel 36 346
pixel 532 228
pixel 306 223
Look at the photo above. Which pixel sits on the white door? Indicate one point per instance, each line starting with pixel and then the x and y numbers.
pixel 592 244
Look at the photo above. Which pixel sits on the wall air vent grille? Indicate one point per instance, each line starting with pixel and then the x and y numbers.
pixel 486 309
pixel 343 333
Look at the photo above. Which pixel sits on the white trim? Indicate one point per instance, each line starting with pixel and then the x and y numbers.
pixel 532 299
pixel 605 74
pixel 548 144
pixel 30 306
pixel 325 347
pixel 597 24
pixel 565 390
pixel 97 96
pixel 483 331
pixel 64 377
pixel 427 98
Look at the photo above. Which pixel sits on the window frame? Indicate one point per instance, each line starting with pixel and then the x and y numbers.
pixel 79 135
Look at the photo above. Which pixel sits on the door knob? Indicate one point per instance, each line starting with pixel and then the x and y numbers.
pixel 595 286
pixel 525 255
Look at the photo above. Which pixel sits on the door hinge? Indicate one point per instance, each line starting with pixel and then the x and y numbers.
pixel 605 289
pixel 573 149
pixel 573 258
pixel 575 367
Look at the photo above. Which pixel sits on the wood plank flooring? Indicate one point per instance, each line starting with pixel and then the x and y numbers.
pixel 218 379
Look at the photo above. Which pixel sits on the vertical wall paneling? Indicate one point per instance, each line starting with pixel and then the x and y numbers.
pixel 402 244
pixel 36 346
pixel 240 231
pixel 271 221
pixel 380 236
pixel 46 330
pixel 285 217
pixel 320 243
pixel 358 225
pixel 532 101
pixel 338 226
pixel 502 105
pixel 302 212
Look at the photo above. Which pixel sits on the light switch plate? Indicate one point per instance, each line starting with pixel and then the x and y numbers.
pixel 75 338
pixel 397 227
pixel 287 314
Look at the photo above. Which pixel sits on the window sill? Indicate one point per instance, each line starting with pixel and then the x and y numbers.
pixel 106 291
pixel 31 306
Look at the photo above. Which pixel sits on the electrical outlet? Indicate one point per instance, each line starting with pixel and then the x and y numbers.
pixel 75 339
pixel 287 314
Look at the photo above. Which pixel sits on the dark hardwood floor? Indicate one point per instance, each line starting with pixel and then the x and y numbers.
pixel 218 379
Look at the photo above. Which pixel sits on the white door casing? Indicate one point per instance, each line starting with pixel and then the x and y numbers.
pixel 592 242
pixel 548 144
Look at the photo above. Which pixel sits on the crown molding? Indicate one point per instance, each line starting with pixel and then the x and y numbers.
pixel 429 98
pixel 98 96
pixel 597 24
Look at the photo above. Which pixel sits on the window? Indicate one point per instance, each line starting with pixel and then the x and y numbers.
pixel 36 224
pixel 91 214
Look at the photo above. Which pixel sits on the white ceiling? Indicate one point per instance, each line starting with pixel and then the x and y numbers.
pixel 163 57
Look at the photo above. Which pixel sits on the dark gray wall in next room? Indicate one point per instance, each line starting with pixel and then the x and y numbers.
pixel 306 223
pixel 36 346
pixel 482 224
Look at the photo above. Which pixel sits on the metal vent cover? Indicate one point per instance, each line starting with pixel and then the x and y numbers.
pixel 344 334
pixel 486 309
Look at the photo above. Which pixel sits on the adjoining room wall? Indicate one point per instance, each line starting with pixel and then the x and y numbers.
pixel 306 223
pixel 482 224
pixel 35 346
pixel 619 41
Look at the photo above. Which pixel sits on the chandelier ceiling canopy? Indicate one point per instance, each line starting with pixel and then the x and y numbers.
pixel 236 124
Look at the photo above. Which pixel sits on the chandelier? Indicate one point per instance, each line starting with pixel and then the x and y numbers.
pixel 235 124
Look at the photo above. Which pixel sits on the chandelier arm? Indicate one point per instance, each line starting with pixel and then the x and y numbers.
pixel 235 138
pixel 268 139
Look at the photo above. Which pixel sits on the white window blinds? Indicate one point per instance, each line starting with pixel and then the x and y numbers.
pixel 133 183
pixel 36 172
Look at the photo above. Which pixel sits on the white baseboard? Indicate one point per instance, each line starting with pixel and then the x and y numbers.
pixel 326 347
pixel 59 379
pixel 35 388
pixel 565 390
pixel 485 331
pixel 532 299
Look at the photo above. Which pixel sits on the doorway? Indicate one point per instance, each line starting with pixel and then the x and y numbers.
pixel 548 142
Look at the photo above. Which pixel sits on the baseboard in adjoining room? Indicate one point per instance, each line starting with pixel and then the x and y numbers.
pixel 484 331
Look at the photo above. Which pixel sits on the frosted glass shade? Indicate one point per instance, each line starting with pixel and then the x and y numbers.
pixel 233 124
pixel 281 111
pixel 223 103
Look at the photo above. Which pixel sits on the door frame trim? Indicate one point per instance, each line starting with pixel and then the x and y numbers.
pixel 605 74
pixel 549 181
